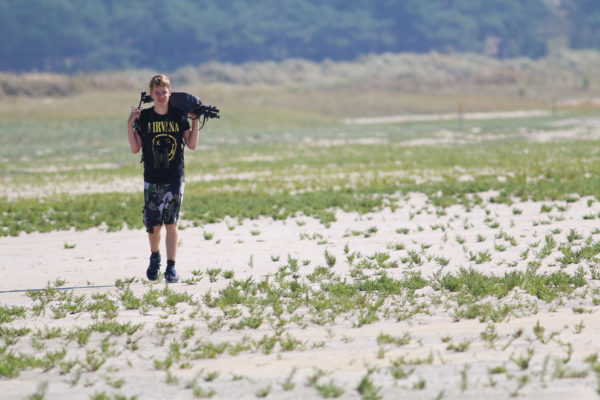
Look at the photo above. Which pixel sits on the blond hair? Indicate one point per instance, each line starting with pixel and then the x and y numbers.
pixel 158 81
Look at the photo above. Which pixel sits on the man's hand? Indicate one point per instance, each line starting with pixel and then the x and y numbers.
pixel 191 136
pixel 135 141
pixel 135 114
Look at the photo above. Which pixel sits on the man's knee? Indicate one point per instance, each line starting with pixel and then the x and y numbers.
pixel 154 230
pixel 171 227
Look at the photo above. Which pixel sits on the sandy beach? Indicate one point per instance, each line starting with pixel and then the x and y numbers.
pixel 441 356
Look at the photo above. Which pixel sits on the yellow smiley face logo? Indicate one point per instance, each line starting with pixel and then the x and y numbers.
pixel 163 140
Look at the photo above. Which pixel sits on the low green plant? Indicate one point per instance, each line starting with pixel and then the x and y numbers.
pixel 211 376
pixel 523 360
pixel 384 338
pixel 329 390
pixel 263 392
pixel 460 347
pixel 330 259
pixel 420 384
pixel 500 369
pixel 10 313
pixel 490 334
pixel 442 261
pixel 289 384
pixel 367 388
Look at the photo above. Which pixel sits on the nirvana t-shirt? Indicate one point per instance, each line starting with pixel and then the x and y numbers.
pixel 162 144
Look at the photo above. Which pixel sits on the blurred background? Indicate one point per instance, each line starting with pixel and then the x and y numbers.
pixel 536 49
pixel 75 36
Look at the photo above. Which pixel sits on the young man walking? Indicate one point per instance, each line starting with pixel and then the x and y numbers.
pixel 162 132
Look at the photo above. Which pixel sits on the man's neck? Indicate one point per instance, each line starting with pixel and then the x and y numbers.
pixel 161 110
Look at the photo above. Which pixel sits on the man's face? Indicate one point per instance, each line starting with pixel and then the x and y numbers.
pixel 161 95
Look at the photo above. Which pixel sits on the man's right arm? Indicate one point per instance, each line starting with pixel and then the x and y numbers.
pixel 135 141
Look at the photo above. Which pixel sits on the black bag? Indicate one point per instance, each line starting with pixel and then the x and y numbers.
pixel 184 101
pixel 190 104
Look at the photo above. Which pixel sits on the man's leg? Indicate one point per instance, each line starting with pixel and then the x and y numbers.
pixel 171 240
pixel 170 217
pixel 154 238
pixel 154 267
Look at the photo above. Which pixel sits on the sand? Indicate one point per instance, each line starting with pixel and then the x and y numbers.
pixel 445 117
pixel 92 261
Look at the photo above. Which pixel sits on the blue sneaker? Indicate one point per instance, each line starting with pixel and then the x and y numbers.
pixel 171 275
pixel 153 268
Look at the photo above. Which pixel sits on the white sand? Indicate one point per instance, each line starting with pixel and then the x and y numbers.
pixel 345 352
pixel 446 117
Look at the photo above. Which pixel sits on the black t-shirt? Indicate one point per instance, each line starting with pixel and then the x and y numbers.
pixel 162 144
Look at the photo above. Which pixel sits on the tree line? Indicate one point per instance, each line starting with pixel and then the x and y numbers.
pixel 73 35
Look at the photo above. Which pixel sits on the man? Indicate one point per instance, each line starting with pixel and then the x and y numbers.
pixel 162 132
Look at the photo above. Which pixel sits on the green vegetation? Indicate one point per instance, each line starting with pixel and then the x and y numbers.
pixel 560 168
pixel 270 311
pixel 71 37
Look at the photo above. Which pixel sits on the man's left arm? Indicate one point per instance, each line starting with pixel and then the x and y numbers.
pixel 191 135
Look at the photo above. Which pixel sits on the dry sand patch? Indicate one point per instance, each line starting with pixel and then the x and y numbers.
pixel 446 117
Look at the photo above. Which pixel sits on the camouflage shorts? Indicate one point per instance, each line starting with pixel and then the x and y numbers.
pixel 162 202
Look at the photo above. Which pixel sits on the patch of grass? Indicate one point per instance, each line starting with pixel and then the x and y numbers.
pixel 288 384
pixel 80 335
pixel 523 360
pixel 442 261
pixel 263 392
pixel 489 334
pixel 330 259
pixel 116 328
pixel 500 369
pixel 544 286
pixel 213 274
pixel 460 347
pixel 10 313
pixel 420 384
pixel 211 376
pixel 384 338
pixel 11 336
pixel 398 371
pixel 206 349
pixel 480 257
pixel 40 392
pixel 367 388
pixel 329 390
pixel 201 393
